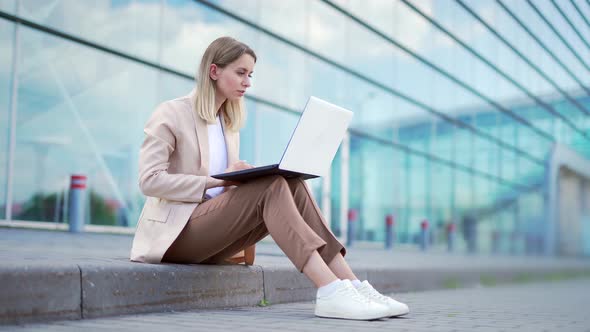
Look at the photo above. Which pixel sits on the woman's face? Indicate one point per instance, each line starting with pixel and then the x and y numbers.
pixel 233 80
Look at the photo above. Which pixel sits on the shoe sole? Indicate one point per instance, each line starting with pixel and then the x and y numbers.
pixel 399 315
pixel 350 318
pixel 338 315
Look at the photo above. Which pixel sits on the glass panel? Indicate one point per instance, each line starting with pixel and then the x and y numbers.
pixel 501 55
pixel 379 113
pixel 482 193
pixel 442 142
pixel 8 6
pixel 6 69
pixel 281 77
pixel 440 193
pixel 405 185
pixel 248 136
pixel 399 194
pixel 116 24
pixel 96 106
pixel 370 55
pixel 482 150
pixel 558 22
pixel 530 141
pixel 377 13
pixel 510 29
pixel 355 185
pixel 551 68
pixel 288 18
pixel 170 87
pixel 273 130
pixel 508 167
pixel 418 194
pixel 528 16
pixel 326 82
pixel 329 33
pixel 377 189
pixel 183 21
pixel 463 145
pixel 531 216
pixel 463 192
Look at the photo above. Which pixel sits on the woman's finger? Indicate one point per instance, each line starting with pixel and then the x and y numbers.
pixel 245 163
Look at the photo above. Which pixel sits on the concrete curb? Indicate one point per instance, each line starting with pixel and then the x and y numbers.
pixel 44 292
pixel 39 292
pixel 137 288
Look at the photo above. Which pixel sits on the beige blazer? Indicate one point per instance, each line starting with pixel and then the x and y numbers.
pixel 173 168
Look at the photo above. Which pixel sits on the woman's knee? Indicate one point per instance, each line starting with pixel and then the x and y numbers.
pixel 277 180
pixel 275 183
pixel 296 183
pixel 298 188
pixel 266 181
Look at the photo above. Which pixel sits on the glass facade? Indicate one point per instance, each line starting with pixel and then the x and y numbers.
pixel 456 104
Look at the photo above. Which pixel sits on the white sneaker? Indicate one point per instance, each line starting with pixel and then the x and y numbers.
pixel 395 308
pixel 347 303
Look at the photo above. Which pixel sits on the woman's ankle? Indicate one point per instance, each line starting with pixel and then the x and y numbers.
pixel 329 288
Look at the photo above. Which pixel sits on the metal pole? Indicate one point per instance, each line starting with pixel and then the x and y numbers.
pixel 424 237
pixel 451 234
pixel 351 230
pixel 389 232
pixel 76 212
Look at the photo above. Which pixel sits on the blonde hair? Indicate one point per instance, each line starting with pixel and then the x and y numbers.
pixel 221 52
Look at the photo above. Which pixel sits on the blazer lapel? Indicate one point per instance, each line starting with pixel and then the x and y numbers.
pixel 202 135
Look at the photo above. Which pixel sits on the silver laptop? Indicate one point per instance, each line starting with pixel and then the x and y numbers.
pixel 312 146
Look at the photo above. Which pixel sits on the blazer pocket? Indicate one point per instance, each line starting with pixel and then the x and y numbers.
pixel 156 210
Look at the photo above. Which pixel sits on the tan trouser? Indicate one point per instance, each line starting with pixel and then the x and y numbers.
pixel 223 226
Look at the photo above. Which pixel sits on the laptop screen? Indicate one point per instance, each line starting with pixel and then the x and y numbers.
pixel 316 138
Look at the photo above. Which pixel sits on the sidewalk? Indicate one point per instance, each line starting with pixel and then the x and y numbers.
pixel 48 275
pixel 547 306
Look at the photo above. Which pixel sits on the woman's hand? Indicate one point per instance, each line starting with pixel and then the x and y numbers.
pixel 213 182
pixel 238 166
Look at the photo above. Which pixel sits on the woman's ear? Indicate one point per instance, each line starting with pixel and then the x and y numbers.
pixel 213 71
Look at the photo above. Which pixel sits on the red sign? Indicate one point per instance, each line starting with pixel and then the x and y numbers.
pixel 352 215
pixel 78 181
pixel 389 221
pixel 424 224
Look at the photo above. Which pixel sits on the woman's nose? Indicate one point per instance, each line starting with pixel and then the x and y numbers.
pixel 246 82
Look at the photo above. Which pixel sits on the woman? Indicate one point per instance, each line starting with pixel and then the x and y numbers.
pixel 190 217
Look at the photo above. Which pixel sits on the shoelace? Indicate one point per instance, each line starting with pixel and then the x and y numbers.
pixel 354 294
pixel 375 294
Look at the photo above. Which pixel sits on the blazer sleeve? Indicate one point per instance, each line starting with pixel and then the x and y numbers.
pixel 158 145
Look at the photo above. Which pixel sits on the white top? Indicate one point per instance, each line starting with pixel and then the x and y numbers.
pixel 217 154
